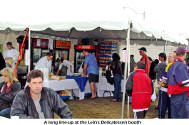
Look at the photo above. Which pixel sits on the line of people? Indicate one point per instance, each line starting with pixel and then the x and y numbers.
pixel 173 85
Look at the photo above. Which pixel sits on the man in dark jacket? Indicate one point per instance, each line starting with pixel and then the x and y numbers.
pixel 36 101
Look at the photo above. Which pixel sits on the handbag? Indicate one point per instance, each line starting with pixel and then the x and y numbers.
pixel 109 77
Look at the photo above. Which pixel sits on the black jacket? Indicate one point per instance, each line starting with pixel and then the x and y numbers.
pixel 2 62
pixel 116 67
pixel 15 88
pixel 24 107
pixel 7 99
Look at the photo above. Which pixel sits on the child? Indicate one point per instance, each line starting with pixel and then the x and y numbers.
pixel 139 85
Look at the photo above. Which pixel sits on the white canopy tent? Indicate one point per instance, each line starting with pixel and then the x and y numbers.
pixel 83 16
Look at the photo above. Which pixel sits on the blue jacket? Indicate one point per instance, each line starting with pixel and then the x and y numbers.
pixel 178 80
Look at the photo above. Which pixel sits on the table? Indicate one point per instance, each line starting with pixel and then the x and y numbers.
pixel 70 84
pixel 67 84
pixel 58 85
pixel 103 86
pixel 80 80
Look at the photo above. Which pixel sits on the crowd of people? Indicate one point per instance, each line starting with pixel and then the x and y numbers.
pixel 146 77
pixel 172 83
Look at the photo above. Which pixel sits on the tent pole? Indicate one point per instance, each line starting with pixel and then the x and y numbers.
pixel 29 49
pixel 165 46
pixel 126 72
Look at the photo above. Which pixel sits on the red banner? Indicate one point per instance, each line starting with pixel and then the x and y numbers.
pixel 89 47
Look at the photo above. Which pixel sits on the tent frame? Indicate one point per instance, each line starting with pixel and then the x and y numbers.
pixel 126 70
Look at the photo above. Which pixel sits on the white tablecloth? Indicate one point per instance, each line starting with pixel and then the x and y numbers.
pixel 103 86
pixel 70 84
pixel 58 85
pixel 67 84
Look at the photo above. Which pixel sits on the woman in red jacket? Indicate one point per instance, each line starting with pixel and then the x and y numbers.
pixel 139 85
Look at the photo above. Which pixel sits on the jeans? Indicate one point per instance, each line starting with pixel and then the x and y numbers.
pixel 179 106
pixel 163 104
pixel 117 86
pixel 5 112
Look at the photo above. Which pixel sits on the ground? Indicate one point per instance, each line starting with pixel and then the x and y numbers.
pixel 103 108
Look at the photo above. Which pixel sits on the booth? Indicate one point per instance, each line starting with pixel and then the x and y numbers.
pixel 78 22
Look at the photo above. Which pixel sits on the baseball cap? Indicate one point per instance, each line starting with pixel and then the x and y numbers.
pixel 180 50
pixel 143 48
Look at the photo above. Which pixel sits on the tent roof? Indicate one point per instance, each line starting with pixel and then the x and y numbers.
pixel 73 16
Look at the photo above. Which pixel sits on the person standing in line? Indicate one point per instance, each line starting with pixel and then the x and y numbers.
pixel 91 67
pixel 145 59
pixel 117 75
pixel 139 86
pixel 152 74
pixel 38 102
pixel 159 68
pixel 8 90
pixel 132 63
pixel 164 100
pixel 11 54
pixel 178 85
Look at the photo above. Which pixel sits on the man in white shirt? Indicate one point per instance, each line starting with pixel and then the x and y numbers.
pixel 67 64
pixel 11 53
pixel 45 62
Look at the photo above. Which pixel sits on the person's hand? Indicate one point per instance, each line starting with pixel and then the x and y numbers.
pixel 158 86
pixel 83 74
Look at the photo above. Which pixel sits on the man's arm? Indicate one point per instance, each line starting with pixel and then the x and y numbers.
pixel 59 68
pixel 156 68
pixel 84 70
pixel 18 108
pixel 57 72
pixel 71 69
pixel 159 67
pixel 60 107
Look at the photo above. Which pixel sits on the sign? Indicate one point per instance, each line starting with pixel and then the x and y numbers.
pixel 40 43
pixel 89 47
pixel 63 44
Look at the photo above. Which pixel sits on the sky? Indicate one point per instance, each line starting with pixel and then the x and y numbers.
pixel 166 15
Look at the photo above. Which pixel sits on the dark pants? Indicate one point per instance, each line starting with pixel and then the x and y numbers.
pixel 140 115
pixel 117 87
pixel 5 112
pixel 179 106
pixel 163 105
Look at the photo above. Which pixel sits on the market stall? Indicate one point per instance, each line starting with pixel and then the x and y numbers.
pixel 61 17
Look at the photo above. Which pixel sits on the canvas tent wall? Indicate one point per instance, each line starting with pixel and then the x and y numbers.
pixel 153 45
